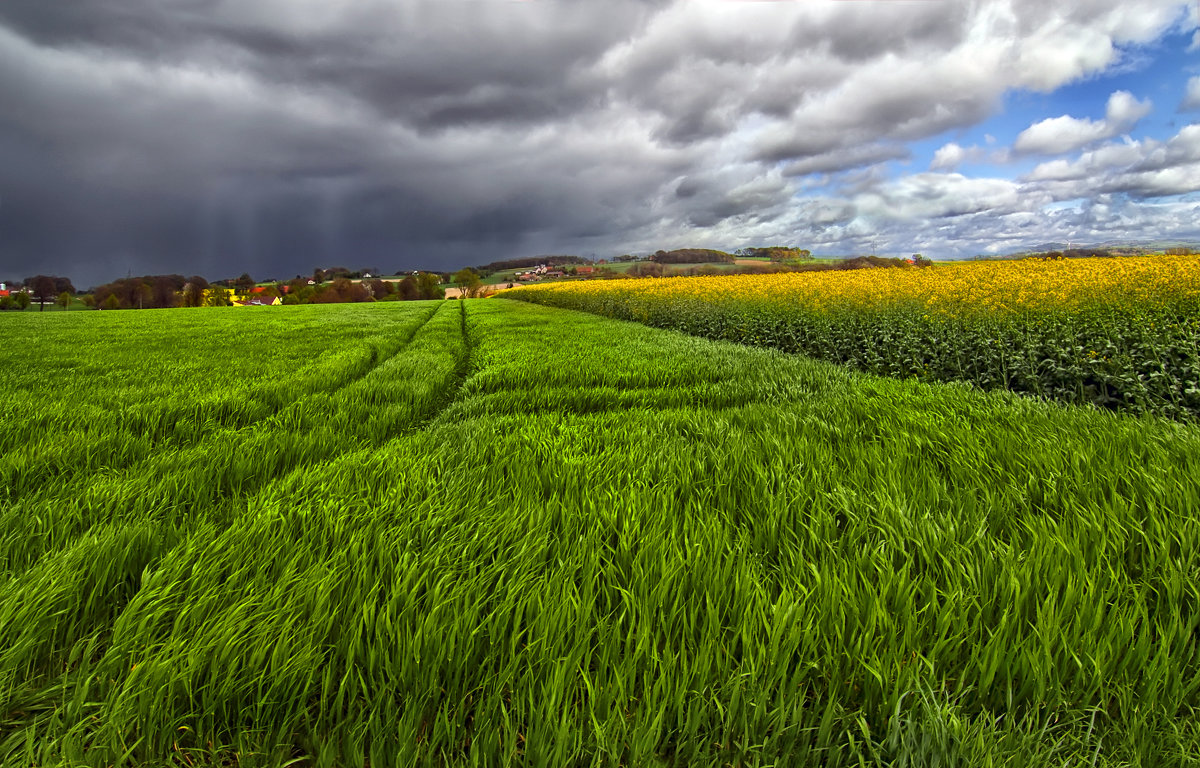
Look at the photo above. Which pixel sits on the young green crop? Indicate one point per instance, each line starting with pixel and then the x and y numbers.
pixel 585 542
pixel 163 484
pixel 148 382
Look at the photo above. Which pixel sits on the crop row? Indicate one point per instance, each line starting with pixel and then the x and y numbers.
pixel 1118 334
pixel 590 542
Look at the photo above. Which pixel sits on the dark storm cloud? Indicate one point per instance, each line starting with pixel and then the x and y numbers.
pixel 432 64
pixel 154 136
pixel 220 136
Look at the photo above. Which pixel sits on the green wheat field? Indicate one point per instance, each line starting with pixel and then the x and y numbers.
pixel 501 534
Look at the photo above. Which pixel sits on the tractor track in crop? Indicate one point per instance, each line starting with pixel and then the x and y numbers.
pixel 217 425
pixel 376 360
pixel 463 369
pixel 454 383
pixel 246 493
pixel 73 484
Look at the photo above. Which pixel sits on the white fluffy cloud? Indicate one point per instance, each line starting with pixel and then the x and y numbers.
pixel 1056 135
pixel 1142 168
pixel 949 156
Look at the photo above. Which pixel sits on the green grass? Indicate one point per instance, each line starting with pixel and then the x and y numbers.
pixel 517 535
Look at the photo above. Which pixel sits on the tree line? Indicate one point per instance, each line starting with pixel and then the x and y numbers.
pixel 168 291
pixel 777 253
pixel 44 289
pixel 421 286
pixel 692 256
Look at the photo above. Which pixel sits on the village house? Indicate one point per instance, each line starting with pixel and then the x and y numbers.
pixel 5 290
pixel 258 298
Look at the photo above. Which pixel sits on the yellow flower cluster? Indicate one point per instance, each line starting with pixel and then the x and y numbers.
pixel 945 289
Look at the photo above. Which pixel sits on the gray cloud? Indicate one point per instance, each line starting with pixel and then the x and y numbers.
pixel 217 136
pixel 849 157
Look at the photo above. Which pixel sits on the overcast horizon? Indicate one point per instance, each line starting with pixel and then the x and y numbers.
pixel 215 137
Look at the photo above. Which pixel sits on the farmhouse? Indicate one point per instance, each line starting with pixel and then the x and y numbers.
pixel 258 301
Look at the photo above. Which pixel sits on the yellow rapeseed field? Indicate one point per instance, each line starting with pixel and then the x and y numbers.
pixel 953 289
pixel 1119 333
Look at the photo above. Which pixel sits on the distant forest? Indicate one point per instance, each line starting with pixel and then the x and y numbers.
pixel 692 256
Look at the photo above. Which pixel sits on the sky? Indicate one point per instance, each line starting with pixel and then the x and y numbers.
pixel 216 137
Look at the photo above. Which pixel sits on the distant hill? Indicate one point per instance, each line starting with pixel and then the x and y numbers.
pixel 1115 247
